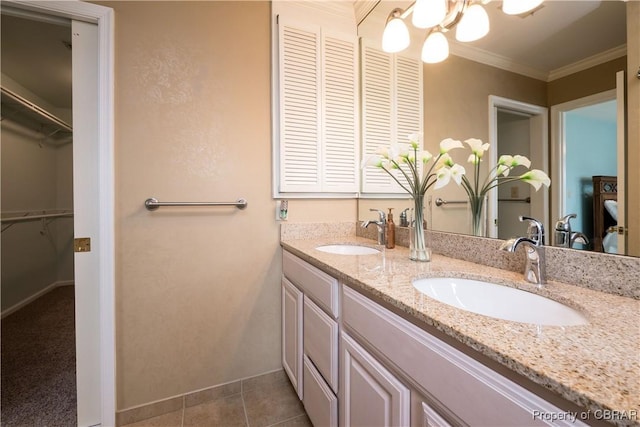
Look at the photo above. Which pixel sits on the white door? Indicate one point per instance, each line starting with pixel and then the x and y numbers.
pixel 86 220
pixel 622 170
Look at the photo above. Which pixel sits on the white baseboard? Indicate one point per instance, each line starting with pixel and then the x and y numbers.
pixel 35 296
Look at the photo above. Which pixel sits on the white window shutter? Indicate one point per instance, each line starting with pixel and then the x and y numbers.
pixel 340 115
pixel 408 73
pixel 377 109
pixel 318 109
pixel 391 110
pixel 299 78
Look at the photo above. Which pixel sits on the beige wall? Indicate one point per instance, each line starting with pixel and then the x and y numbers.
pixel 600 78
pixel 197 290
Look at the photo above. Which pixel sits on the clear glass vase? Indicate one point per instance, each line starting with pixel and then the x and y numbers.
pixel 478 215
pixel 418 250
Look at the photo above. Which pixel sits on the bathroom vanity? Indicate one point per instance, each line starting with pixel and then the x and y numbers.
pixel 362 346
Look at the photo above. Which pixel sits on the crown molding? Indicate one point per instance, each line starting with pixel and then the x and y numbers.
pixel 494 60
pixel 592 61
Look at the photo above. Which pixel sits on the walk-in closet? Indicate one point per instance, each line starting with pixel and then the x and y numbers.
pixel 37 258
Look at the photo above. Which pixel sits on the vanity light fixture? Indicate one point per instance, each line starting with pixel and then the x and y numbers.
pixel 469 16
pixel 396 34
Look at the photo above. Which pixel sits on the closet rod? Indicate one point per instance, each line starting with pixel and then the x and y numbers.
pixel 34 217
pixel 152 204
pixel 14 97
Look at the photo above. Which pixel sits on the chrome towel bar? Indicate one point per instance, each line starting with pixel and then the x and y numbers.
pixel 440 202
pixel 152 204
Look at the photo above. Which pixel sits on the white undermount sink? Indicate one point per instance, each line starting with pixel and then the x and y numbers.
pixel 499 301
pixel 348 250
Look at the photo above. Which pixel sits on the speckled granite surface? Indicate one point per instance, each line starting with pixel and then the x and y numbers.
pixel 596 366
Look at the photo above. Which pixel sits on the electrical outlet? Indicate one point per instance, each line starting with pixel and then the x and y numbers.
pixel 282 210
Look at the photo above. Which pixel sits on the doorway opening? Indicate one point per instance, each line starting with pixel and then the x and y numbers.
pixel 517 128
pixel 38 320
pixel 586 136
pixel 93 209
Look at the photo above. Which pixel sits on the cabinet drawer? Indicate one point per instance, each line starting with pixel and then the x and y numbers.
pixel 467 388
pixel 321 287
pixel 321 342
pixel 319 401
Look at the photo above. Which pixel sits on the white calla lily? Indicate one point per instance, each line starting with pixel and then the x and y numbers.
pixel 521 161
pixel 473 159
pixel 457 172
pixel 415 139
pixel 536 178
pixel 448 144
pixel 477 146
pixel 443 176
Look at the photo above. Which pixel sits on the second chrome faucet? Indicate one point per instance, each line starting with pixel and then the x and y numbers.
pixel 534 270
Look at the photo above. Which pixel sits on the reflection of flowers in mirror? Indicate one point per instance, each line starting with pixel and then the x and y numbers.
pixel 499 174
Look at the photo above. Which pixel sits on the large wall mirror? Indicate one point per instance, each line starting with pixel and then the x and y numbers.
pixel 544 85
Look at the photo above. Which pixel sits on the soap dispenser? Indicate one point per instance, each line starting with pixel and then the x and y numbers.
pixel 390 229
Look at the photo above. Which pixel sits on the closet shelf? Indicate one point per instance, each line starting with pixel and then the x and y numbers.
pixel 29 114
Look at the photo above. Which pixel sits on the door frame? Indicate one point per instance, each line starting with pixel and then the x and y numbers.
pixel 558 142
pixel 103 17
pixel 539 154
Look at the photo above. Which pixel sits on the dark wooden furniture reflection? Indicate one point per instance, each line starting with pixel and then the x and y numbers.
pixel 604 188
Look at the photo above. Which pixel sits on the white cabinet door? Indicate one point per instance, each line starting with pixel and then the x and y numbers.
pixel 292 303
pixel 370 394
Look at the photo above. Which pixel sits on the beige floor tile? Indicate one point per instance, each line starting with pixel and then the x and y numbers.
pixel 266 380
pixel 227 412
pixel 172 419
pixel 266 406
pixel 301 421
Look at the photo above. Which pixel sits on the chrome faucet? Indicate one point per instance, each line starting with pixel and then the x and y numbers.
pixel 534 270
pixel 382 221
pixel 565 238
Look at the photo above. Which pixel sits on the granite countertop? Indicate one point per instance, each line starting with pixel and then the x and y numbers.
pixel 596 366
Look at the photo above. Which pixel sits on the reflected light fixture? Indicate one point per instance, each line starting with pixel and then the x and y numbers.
pixel 396 34
pixel 473 25
pixel 428 13
pixel 435 48
pixel 439 16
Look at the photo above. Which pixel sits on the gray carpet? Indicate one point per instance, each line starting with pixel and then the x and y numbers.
pixel 38 363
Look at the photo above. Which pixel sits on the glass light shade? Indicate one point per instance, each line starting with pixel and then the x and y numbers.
pixel 395 36
pixel 516 7
pixel 474 24
pixel 435 48
pixel 428 13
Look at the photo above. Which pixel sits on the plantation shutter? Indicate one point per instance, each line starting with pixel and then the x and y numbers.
pixel 318 146
pixel 391 110
pixel 299 80
pixel 340 114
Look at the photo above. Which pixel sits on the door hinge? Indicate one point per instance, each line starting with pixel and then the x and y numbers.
pixel 82 244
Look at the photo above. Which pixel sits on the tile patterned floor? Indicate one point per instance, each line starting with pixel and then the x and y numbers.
pixel 265 401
